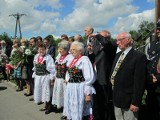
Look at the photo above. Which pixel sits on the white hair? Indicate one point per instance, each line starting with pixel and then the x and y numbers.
pixel 64 44
pixel 3 41
pixel 90 29
pixel 128 35
pixel 80 45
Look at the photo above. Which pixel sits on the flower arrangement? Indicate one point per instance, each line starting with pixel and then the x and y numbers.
pixel 16 57
pixel 26 54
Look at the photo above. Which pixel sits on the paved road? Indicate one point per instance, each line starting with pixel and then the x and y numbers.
pixel 15 106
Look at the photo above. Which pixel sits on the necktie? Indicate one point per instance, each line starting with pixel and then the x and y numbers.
pixel 116 68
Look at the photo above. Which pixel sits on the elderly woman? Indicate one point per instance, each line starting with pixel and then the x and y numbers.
pixel 61 68
pixel 79 90
pixel 44 70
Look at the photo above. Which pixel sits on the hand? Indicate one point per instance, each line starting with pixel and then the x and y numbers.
pixel 134 108
pixel 90 49
pixel 154 78
pixel 88 98
pixel 91 35
pixel 158 68
pixel 65 81
pixel 52 82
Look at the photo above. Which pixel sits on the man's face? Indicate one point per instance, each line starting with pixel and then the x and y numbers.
pixel 46 42
pixel 158 32
pixel 3 44
pixel 87 32
pixel 32 43
pixel 122 41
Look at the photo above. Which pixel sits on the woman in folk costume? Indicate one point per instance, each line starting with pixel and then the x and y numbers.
pixel 61 68
pixel 44 70
pixel 79 89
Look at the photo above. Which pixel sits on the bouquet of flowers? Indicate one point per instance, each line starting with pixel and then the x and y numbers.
pixel 28 55
pixel 16 57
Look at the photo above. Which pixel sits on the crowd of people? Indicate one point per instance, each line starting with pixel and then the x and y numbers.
pixel 87 80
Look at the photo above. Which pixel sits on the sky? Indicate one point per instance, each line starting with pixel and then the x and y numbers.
pixel 57 17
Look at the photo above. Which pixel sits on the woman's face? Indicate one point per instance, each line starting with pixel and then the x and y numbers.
pixel 23 44
pixel 62 51
pixel 41 51
pixel 75 52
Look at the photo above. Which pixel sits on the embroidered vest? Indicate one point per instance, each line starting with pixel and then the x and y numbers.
pixel 41 69
pixel 61 70
pixel 76 75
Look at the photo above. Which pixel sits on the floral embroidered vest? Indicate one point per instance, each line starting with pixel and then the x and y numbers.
pixel 41 69
pixel 76 75
pixel 61 70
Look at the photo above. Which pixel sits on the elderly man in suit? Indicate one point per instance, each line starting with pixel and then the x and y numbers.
pixel 128 79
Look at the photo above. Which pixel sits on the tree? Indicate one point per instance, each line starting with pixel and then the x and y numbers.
pixel 5 37
pixel 142 34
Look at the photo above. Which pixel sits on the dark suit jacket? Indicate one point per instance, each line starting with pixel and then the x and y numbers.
pixel 51 51
pixel 103 56
pixel 129 82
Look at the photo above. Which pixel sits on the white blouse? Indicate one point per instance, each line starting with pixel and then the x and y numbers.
pixel 85 65
pixel 50 65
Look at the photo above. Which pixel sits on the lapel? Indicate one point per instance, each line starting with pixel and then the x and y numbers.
pixel 127 58
pixel 96 46
pixel 48 51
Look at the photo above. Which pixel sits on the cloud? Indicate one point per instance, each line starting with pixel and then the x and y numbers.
pixel 39 15
pixel 89 12
pixel 47 17
pixel 132 21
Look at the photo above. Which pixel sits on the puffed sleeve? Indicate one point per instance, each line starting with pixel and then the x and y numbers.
pixel 50 66
pixel 34 62
pixel 89 76
pixel 68 61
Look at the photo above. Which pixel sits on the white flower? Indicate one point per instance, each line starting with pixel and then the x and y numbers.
pixel 28 52
pixel 23 47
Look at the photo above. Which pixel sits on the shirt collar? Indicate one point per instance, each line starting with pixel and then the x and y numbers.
pixel 127 50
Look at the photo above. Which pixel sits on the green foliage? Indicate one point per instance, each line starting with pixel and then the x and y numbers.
pixel 140 36
pixel 84 38
pixel 16 57
pixel 4 36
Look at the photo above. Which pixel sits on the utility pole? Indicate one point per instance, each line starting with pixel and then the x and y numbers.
pixel 17 16
pixel 157 11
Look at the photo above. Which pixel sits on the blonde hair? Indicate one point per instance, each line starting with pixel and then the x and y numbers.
pixel 24 41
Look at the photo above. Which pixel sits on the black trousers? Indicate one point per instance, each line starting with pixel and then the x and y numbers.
pixel 102 103
pixel 30 79
pixel 4 73
pixel 153 105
